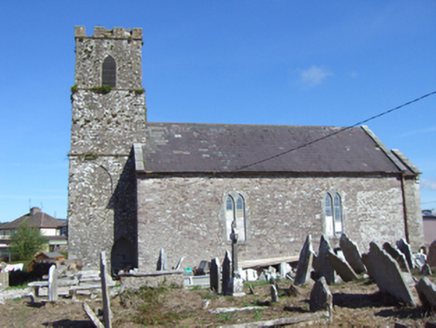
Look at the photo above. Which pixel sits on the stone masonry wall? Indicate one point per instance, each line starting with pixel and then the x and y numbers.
pixel 103 129
pixel 184 215
pixel 414 214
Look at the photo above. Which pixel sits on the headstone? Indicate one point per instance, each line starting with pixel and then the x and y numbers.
pixel 431 256
pixel 304 262
pixel 162 261
pixel 387 274
pixel 214 275
pixel 203 268
pixel 352 254
pixel 324 269
pixel 251 275
pixel 426 292
pixel 404 247
pixel 419 259
pixel 284 269
pixel 320 297
pixel 107 313
pixel 227 274
pixel 274 294
pixel 52 284
pixel 4 279
pixel 426 270
pixel 179 264
pixel 342 268
pixel 397 256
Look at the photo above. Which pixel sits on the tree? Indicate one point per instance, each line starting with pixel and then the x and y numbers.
pixel 26 242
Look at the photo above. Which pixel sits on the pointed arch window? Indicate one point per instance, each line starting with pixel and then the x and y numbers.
pixel 235 211
pixel 109 72
pixel 333 215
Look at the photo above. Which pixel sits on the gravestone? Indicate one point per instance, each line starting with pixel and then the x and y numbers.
pixel 426 292
pixel 107 313
pixel 323 267
pixel 431 256
pixel 352 254
pixel 214 275
pixel 425 270
pixel 304 262
pixel 52 284
pixel 162 261
pixel 179 264
pixel 342 268
pixel 4 279
pixel 387 274
pixel 320 297
pixel 227 274
pixel 274 294
pixel 404 247
pixel 397 255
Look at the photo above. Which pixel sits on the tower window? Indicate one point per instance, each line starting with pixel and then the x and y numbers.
pixel 109 72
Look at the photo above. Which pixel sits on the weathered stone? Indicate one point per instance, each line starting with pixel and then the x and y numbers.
pixel 320 297
pixel 352 254
pixel 214 275
pixel 431 256
pixel 162 261
pixel 52 284
pixel 342 268
pixel 426 292
pixel 227 275
pixel 419 259
pixel 404 248
pixel 304 262
pixel 274 294
pixel 425 270
pixel 397 255
pixel 323 267
pixel 134 280
pixel 107 313
pixel 4 279
pixel 387 274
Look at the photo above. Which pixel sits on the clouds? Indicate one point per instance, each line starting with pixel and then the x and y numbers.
pixel 313 76
pixel 428 184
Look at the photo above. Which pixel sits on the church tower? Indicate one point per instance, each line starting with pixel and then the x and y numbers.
pixel 108 117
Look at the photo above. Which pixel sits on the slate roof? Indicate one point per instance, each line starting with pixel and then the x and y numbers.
pixel 189 148
pixel 36 219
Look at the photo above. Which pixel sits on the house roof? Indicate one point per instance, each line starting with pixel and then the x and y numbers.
pixel 224 148
pixel 36 219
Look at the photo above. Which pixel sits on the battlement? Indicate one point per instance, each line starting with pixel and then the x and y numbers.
pixel 115 33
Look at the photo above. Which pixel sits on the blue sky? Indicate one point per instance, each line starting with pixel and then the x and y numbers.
pixel 245 62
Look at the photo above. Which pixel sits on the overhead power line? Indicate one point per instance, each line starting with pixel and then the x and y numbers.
pixel 338 131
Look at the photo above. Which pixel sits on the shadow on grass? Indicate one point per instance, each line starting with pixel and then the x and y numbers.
pixel 354 301
pixel 69 324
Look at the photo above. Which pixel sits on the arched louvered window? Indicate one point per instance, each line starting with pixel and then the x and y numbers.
pixel 333 215
pixel 109 72
pixel 235 211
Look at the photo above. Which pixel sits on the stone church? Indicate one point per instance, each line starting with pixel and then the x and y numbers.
pixel 136 187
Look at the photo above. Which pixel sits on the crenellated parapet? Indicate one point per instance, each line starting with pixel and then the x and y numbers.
pixel 115 33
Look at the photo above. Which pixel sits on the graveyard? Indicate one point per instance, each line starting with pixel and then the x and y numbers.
pixel 387 286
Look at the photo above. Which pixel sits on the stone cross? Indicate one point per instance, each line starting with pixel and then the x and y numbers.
pixel 234 238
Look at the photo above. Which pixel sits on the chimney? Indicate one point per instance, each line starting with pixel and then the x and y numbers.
pixel 34 210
